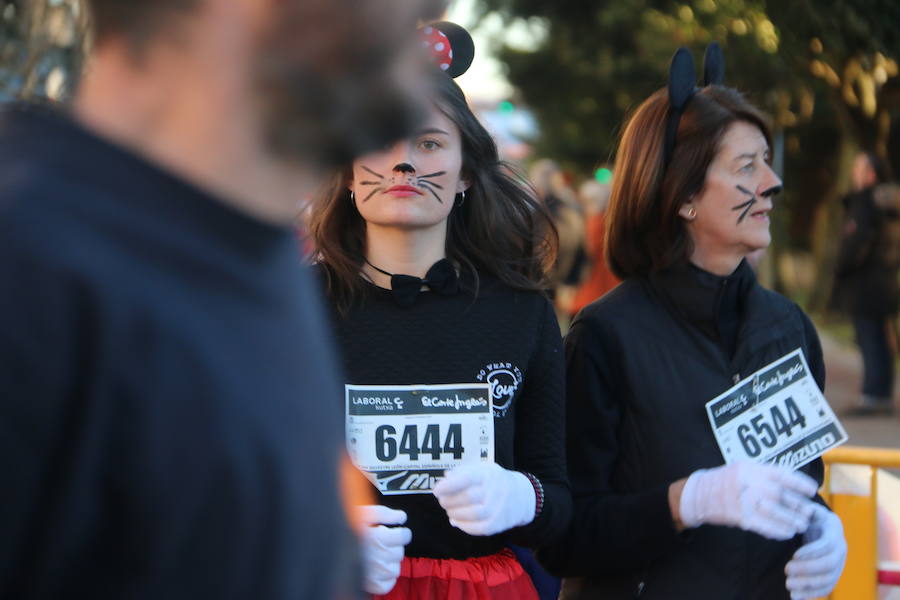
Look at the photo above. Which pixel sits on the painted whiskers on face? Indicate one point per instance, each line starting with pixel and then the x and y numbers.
pixel 379 183
pixel 421 181
pixel 746 206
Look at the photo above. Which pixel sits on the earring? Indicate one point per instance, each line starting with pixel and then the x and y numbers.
pixel 463 199
pixel 352 198
pixel 692 213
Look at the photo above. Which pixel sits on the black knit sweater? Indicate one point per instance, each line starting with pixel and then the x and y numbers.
pixel 460 339
pixel 163 359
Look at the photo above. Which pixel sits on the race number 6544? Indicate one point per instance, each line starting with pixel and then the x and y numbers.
pixel 764 429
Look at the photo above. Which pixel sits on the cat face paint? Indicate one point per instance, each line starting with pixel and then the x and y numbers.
pixel 413 182
pixel 422 182
pixel 732 210
pixel 746 206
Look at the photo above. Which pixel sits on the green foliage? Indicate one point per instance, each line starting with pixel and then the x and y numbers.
pixel 42 45
pixel 825 71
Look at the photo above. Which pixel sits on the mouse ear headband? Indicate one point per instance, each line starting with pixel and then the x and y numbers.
pixel 682 80
pixel 451 47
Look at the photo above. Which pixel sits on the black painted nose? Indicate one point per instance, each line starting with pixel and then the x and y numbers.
pixel 772 191
pixel 404 168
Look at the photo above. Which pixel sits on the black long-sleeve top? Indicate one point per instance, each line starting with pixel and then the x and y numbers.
pixel 461 339
pixel 162 363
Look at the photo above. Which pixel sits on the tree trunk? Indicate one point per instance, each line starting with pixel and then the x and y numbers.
pixel 827 227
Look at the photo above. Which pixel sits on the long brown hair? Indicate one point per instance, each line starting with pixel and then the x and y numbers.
pixel 644 231
pixel 502 228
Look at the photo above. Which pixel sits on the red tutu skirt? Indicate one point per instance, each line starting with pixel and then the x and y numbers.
pixel 495 577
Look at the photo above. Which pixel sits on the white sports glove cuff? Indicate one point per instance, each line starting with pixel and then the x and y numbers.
pixel 524 489
pixel 485 498
pixel 689 508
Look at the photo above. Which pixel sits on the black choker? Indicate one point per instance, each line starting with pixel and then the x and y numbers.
pixel 441 278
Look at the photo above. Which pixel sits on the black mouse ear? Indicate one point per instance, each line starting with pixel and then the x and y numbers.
pixel 456 58
pixel 713 65
pixel 682 79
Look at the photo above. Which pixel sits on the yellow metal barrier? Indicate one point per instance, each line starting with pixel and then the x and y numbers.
pixel 859 515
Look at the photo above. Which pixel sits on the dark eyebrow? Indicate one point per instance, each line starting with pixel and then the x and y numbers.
pixel 433 130
pixel 749 155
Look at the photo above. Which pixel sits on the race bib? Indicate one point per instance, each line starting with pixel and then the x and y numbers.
pixel 403 437
pixel 777 415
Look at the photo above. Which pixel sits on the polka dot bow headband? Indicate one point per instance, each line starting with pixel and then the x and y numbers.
pixel 451 47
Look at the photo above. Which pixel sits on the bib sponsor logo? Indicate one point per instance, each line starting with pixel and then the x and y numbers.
pixel 777 379
pixel 407 481
pixel 379 402
pixel 813 448
pixel 455 402
pixel 734 405
pixel 505 379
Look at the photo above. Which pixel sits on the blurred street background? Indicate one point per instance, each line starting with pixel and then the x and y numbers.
pixel 554 80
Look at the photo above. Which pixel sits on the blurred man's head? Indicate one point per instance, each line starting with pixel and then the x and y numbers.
pixel 137 21
pixel 339 77
pixel 868 169
pixel 330 79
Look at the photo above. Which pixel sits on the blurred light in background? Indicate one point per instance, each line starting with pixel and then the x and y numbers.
pixel 603 175
pixel 512 125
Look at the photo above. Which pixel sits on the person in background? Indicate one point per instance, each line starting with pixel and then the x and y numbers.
pixel 163 353
pixel 657 515
pixel 434 255
pixel 594 198
pixel 865 284
pixel 568 217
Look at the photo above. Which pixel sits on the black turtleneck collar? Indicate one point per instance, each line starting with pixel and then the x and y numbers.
pixel 712 303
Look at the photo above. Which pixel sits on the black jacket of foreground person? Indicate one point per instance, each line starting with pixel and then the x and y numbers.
pixel 167 421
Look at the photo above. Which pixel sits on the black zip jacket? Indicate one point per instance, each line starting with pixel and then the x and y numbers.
pixel 641 363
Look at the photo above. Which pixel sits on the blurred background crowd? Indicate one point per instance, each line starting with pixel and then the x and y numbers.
pixel 554 81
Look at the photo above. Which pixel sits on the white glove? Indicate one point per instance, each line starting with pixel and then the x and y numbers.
pixel 817 564
pixel 382 547
pixel 485 498
pixel 771 501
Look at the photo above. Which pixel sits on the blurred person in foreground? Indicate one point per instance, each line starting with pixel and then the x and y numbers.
pixel 865 284
pixel 434 254
pixel 657 515
pixel 164 359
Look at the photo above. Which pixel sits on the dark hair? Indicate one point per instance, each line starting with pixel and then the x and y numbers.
pixel 136 20
pixel 644 231
pixel 502 228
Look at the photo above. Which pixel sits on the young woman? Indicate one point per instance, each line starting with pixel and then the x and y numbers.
pixel 656 513
pixel 434 255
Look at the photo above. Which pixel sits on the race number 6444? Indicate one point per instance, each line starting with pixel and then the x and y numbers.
pixel 389 445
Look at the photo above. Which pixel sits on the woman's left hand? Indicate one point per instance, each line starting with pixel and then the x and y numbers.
pixel 817 565
pixel 485 498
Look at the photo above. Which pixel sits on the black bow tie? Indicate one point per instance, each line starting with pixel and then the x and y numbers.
pixel 441 278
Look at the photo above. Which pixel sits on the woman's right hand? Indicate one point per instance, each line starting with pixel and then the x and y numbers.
pixel 382 547
pixel 771 501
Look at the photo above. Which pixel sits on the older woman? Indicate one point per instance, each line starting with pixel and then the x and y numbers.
pixel 657 514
